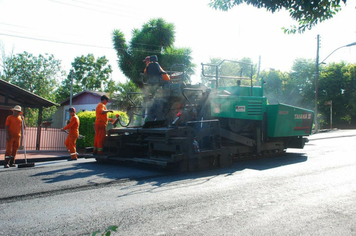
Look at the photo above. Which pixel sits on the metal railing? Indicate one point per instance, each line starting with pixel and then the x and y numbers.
pixel 51 139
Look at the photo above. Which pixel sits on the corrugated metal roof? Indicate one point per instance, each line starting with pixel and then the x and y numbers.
pixel 11 95
pixel 85 91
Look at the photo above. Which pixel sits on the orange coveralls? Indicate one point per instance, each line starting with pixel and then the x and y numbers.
pixel 72 137
pixel 100 128
pixel 14 127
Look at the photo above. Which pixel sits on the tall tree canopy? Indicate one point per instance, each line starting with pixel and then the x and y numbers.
pixel 301 85
pixel 337 83
pixel 154 38
pixel 274 88
pixel 308 13
pixel 88 74
pixel 38 75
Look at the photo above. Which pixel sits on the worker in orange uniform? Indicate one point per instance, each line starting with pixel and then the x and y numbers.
pixel 155 71
pixel 13 131
pixel 147 62
pixel 73 134
pixel 101 122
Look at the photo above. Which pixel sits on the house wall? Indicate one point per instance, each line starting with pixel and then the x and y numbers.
pixel 84 102
pixel 87 98
pixel 57 118
pixel 78 108
pixel 84 98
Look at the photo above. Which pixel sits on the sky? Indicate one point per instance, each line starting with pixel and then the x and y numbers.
pixel 72 28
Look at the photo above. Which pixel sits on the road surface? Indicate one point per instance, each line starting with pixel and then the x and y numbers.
pixel 305 192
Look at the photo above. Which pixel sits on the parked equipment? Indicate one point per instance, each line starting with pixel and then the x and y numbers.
pixel 79 137
pixel 191 127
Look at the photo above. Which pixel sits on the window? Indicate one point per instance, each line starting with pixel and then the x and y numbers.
pixel 67 117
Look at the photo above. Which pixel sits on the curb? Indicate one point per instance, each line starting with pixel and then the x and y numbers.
pixel 42 159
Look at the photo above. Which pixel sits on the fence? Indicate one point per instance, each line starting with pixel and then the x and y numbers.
pixel 51 139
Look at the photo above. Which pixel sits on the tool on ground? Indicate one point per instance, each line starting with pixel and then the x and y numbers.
pixel 79 137
pixel 24 165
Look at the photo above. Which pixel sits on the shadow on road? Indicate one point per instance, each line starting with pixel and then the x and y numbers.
pixel 271 162
pixel 182 180
pixel 98 174
pixel 93 172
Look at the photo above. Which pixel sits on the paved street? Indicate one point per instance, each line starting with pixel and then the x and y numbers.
pixel 305 192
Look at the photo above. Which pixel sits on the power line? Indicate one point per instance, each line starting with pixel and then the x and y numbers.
pixel 55 41
pixel 116 4
pixel 107 7
pixel 12 33
pixel 96 10
pixel 36 38
pixel 77 44
pixel 35 29
pixel 25 27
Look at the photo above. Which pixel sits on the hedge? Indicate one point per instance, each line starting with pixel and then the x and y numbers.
pixel 86 127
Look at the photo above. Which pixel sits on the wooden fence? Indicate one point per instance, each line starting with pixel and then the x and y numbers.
pixel 51 139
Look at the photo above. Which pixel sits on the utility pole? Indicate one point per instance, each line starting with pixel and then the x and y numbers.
pixel 71 88
pixel 317 78
pixel 316 85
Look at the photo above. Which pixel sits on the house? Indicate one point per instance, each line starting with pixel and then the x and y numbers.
pixel 11 95
pixel 83 101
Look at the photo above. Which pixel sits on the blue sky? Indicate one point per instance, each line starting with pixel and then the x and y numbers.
pixel 71 28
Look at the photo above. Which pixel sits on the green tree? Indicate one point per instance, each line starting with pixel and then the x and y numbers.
pixel 307 13
pixel 121 101
pixel 300 87
pixel 2 61
pixel 229 69
pixel 154 38
pixel 350 96
pixel 273 87
pixel 337 83
pixel 88 74
pixel 38 75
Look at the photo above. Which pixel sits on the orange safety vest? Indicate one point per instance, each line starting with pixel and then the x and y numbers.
pixel 73 125
pixel 14 125
pixel 100 117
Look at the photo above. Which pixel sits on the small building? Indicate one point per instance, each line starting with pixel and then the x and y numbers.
pixel 12 95
pixel 83 101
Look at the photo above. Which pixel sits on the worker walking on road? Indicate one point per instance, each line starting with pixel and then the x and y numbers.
pixel 100 125
pixel 73 134
pixel 13 131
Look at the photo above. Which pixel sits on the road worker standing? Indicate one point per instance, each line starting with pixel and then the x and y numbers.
pixel 100 125
pixel 13 131
pixel 73 134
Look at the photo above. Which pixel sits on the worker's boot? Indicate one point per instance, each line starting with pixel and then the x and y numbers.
pixel 6 163
pixel 100 151
pixel 12 162
pixel 73 157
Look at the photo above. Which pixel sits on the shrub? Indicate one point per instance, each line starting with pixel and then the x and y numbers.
pixel 86 127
